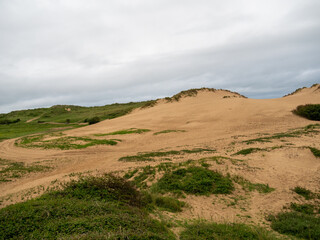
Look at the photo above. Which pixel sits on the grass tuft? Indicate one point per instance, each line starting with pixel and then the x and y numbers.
pixel 315 151
pixel 125 131
pixel 168 131
pixel 247 151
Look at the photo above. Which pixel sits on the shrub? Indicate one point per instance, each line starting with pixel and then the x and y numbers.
pixel 307 194
pixel 309 111
pixel 93 120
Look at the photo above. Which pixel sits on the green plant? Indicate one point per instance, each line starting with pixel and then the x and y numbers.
pixel 247 151
pixel 306 193
pixel 93 120
pixel 169 204
pixel 104 207
pixel 309 111
pixel 149 156
pixel 315 151
pixel 125 131
pixel 303 208
pixel 249 186
pixel 168 131
pixel 207 230
pixel 195 180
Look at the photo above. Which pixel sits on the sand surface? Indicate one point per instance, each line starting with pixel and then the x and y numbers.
pixel 220 120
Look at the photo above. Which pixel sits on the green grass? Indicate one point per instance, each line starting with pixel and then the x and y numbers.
pixel 62 143
pixel 301 225
pixel 306 193
pixel 247 151
pixel 11 170
pixel 313 128
pixel 168 131
pixel 125 131
pixel 315 151
pixel 169 204
pixel 106 207
pixel 150 156
pixel 303 208
pixel 249 186
pixel 228 231
pixel 195 180
pixel 309 111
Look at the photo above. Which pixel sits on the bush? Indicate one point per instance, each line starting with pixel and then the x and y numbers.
pixel 93 120
pixel 309 111
pixel 7 121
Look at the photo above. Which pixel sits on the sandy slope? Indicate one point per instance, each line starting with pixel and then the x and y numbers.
pixel 210 120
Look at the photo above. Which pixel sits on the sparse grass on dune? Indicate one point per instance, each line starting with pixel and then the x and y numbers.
pixel 309 111
pixel 249 186
pixel 247 151
pixel 150 156
pixel 309 129
pixel 125 131
pixel 226 231
pixel 62 143
pixel 11 170
pixel 168 131
pixel 315 151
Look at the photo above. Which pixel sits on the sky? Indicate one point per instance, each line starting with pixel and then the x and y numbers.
pixel 98 52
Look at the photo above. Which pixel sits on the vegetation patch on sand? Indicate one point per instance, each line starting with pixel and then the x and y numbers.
pixel 249 186
pixel 309 111
pixel 150 156
pixel 125 131
pixel 306 193
pixel 247 151
pixel 236 231
pixel 106 207
pixel 10 170
pixel 63 143
pixel 168 131
pixel 312 128
pixel 195 180
pixel 315 151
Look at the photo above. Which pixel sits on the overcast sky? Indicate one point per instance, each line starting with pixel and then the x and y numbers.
pixel 95 52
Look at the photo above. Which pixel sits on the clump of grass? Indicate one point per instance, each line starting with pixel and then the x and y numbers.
pixel 195 180
pixel 106 207
pixel 168 204
pixel 63 143
pixel 247 151
pixel 168 131
pixel 125 131
pixel 315 151
pixel 303 208
pixel 203 230
pixel 306 193
pixel 150 156
pixel 11 170
pixel 149 104
pixel 249 186
pixel 296 224
pixel 309 111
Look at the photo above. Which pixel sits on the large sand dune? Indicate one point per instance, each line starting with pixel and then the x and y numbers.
pixel 221 120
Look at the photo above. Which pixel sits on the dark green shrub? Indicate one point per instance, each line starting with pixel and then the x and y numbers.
pixel 309 111
pixel 169 204
pixel 307 194
pixel 93 120
pixel 315 151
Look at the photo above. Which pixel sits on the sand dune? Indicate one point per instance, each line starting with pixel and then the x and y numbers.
pixel 221 120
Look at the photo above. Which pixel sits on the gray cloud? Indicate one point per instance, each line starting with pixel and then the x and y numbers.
pixel 98 52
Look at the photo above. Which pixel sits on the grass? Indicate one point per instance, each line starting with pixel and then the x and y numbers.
pixel 168 131
pixel 125 131
pixel 312 128
pixel 303 208
pixel 249 186
pixel 306 193
pixel 195 180
pixel 150 156
pixel 305 224
pixel 309 111
pixel 106 207
pixel 247 151
pixel 169 204
pixel 62 143
pixel 65 115
pixel 206 230
pixel 11 170
pixel 315 151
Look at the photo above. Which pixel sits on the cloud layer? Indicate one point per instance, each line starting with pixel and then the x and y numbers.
pixel 98 52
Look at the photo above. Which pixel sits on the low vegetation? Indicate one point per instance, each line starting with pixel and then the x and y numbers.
pixel 306 193
pixel 315 151
pixel 309 111
pixel 106 207
pixel 309 129
pixel 168 131
pixel 195 180
pixel 207 230
pixel 63 143
pixel 125 131
pixel 150 156
pixel 247 151
pixel 11 170
pixel 249 186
